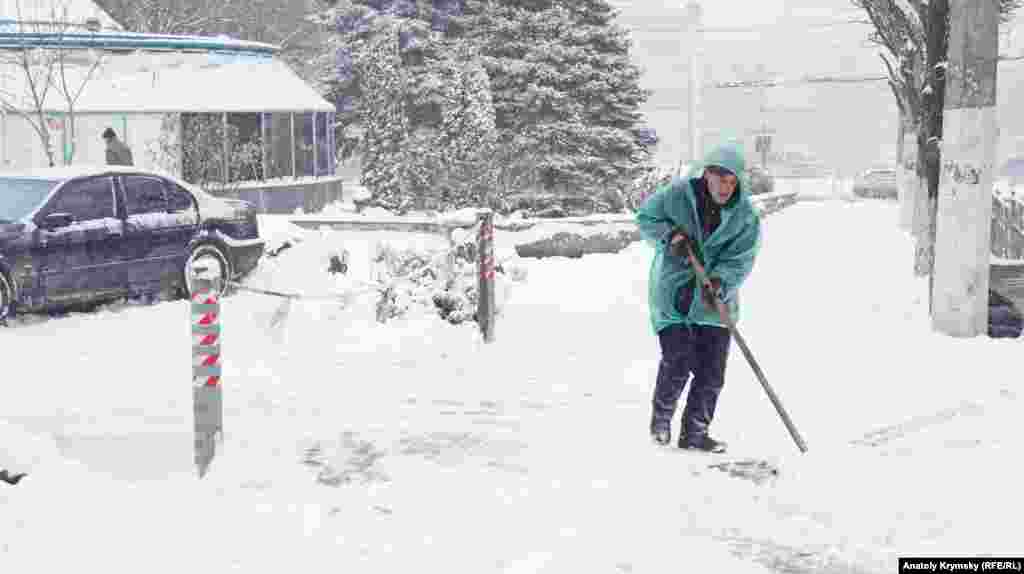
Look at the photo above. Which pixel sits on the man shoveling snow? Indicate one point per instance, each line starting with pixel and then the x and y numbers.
pixel 710 213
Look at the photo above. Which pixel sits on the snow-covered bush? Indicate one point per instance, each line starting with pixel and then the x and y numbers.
pixel 644 186
pixel 407 278
pixel 443 279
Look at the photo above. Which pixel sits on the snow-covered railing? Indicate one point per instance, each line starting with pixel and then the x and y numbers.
pixel 771 202
pixel 1007 219
pixel 1007 223
pixel 443 225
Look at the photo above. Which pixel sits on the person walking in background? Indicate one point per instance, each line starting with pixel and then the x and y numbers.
pixel 117 152
pixel 711 213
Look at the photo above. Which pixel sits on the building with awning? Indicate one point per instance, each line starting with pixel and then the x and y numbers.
pixel 267 134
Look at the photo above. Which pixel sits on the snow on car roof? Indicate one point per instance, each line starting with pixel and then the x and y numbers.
pixel 77 170
pixel 84 170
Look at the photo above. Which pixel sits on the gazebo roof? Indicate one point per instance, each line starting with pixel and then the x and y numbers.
pixel 129 72
pixel 67 11
pixel 162 82
pixel 39 37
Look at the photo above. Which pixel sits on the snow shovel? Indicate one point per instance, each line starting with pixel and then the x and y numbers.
pixel 723 312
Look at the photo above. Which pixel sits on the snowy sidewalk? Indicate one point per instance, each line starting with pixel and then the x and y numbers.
pixel 412 446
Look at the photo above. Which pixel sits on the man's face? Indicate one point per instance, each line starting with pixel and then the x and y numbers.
pixel 721 183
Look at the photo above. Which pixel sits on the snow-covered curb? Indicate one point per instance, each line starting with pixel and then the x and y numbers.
pixel 468 217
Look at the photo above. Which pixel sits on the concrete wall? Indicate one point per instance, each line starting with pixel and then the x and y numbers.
pixel 309 194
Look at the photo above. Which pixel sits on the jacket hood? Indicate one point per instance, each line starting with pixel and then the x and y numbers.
pixel 729 155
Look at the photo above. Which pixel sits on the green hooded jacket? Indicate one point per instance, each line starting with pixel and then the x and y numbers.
pixel 728 253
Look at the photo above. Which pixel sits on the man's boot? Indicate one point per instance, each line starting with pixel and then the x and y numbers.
pixel 701 442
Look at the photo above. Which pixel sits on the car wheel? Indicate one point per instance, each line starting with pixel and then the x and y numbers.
pixel 215 264
pixel 6 298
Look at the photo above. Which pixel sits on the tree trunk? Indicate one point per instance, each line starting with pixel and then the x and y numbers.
pixel 930 153
pixel 906 172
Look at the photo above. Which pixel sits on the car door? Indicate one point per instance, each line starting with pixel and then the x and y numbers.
pixel 183 224
pixel 78 259
pixel 158 228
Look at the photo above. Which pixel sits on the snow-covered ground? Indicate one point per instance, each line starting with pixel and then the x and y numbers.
pixel 353 446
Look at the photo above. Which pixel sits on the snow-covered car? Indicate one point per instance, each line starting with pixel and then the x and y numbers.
pixel 78 234
pixel 877 183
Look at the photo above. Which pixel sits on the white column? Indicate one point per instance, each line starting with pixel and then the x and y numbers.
pixel 970 132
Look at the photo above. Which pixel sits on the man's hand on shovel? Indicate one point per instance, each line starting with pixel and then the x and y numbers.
pixel 712 291
pixel 679 243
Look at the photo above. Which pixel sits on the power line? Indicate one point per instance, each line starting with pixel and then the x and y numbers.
pixel 779 27
pixel 746 84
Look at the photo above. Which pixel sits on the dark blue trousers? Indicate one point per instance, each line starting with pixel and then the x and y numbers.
pixel 702 351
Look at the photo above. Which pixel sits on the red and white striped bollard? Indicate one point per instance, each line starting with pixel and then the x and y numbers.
pixel 207 401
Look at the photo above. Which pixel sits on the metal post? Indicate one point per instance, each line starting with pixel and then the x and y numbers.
pixel 207 400
pixel 264 146
pixel 180 163
pixel 227 149
pixel 486 268
pixel 331 159
pixel 316 166
pixel 6 159
pixel 970 135
pixel 295 169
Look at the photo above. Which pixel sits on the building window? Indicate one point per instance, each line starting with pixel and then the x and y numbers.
pixel 202 148
pixel 323 144
pixel 245 160
pixel 277 136
pixel 304 143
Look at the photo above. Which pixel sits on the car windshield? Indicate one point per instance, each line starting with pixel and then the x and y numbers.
pixel 20 195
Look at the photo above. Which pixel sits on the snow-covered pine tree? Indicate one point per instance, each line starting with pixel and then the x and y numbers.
pixel 467 133
pixel 565 92
pixel 387 62
pixel 383 116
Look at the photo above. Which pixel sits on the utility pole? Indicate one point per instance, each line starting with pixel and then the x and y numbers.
pixel 970 135
pixel 764 139
pixel 694 13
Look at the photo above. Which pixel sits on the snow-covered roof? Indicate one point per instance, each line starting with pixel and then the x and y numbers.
pixel 155 82
pixel 14 36
pixel 75 11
